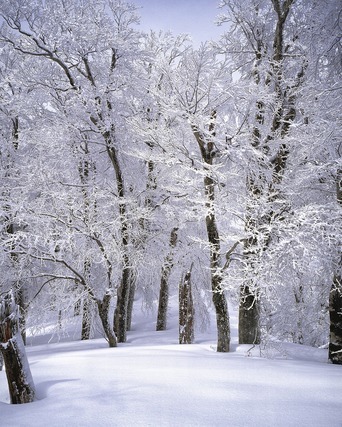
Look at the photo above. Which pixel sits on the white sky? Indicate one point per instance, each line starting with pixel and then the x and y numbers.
pixel 195 17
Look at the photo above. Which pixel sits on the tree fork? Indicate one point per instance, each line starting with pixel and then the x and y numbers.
pixel 103 308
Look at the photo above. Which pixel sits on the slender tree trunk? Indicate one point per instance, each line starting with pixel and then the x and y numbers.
pixel 298 336
pixel 186 311
pixel 19 378
pixel 249 316
pixel 164 283
pixel 249 302
pixel 219 299
pixel 103 308
pixel 120 315
pixel 151 186
pixel 121 311
pixel 220 303
pixel 77 307
pixel 335 313
pixel 85 167
pixel 222 316
pixel 86 318
pixel 87 304
pixel 131 296
pixel 59 319
pixel 21 300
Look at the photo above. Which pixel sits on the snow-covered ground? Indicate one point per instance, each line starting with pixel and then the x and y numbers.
pixel 153 381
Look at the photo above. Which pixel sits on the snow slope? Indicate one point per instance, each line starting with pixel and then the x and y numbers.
pixel 153 381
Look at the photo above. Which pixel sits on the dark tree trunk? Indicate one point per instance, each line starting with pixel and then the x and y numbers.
pixel 120 315
pixel 186 311
pixel 249 302
pixel 249 315
pixel 20 383
pixel 131 296
pixel 207 149
pixel 84 168
pixel 219 299
pixel 163 299
pixel 77 307
pixel 121 310
pixel 335 299
pixel 21 301
pixel 335 312
pixel 222 316
pixel 103 308
pixel 164 284
pixel 86 318
pixel 21 388
pixel 59 319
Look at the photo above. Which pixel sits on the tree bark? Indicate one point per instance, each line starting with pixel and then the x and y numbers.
pixel 132 289
pixel 335 313
pixel 164 283
pixel 121 310
pixel 249 302
pixel 21 300
pixel 19 378
pixel 87 301
pixel 120 315
pixel 103 308
pixel 335 298
pixel 249 315
pixel 219 299
pixel 86 318
pixel 220 303
pixel 186 311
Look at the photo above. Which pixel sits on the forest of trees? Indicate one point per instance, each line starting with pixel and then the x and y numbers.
pixel 134 162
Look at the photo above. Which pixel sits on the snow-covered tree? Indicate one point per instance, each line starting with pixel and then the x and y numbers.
pixel 290 158
pixel 86 51
pixel 191 98
pixel 129 160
